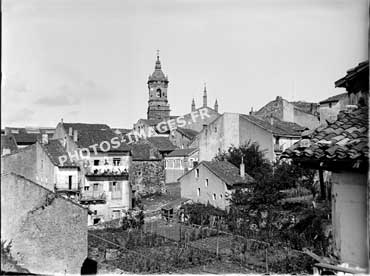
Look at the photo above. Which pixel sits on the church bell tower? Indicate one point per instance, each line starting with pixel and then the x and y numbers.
pixel 158 107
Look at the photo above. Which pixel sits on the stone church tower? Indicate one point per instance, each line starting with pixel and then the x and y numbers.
pixel 158 107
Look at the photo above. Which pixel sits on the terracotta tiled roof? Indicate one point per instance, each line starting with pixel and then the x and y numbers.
pixel 189 133
pixel 335 98
pixel 362 68
pixel 280 128
pixel 54 150
pixel 91 134
pixel 82 126
pixel 181 152
pixel 227 172
pixel 161 143
pixel 345 139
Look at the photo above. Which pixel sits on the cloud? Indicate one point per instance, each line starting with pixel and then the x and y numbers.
pixel 19 116
pixel 58 100
pixel 70 88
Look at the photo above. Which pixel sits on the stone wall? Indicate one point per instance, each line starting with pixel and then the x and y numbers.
pixel 48 232
pixel 147 176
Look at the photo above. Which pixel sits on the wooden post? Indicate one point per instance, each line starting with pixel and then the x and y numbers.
pixel 322 184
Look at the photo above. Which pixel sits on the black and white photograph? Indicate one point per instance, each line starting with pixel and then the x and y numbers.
pixel 185 137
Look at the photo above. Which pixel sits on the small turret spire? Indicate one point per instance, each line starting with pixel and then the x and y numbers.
pixel 205 96
pixel 193 105
pixel 216 106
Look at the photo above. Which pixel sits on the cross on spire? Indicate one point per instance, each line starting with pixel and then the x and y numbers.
pixel 157 53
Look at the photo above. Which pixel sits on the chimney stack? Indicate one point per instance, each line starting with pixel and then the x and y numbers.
pixel 242 168
pixel 70 131
pixel 75 135
pixel 44 139
pixel 216 106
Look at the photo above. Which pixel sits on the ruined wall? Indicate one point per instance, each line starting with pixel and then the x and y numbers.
pixel 147 176
pixel 48 233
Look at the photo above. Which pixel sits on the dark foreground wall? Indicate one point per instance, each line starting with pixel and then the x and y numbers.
pixel 48 233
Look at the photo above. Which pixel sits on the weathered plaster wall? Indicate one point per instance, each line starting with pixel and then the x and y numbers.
pixel 48 233
pixel 211 139
pixel 62 176
pixel 350 217
pixel 32 163
pixel 254 133
pixel 147 176
pixel 329 111
pixel 306 120
pixel 190 183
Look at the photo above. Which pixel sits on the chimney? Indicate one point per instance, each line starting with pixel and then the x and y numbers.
pixel 70 131
pixel 44 139
pixel 75 135
pixel 216 106
pixel 242 168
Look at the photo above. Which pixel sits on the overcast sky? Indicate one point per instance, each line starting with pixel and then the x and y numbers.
pixel 89 60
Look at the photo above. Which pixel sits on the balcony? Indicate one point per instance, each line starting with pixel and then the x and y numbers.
pixel 92 197
pixel 110 174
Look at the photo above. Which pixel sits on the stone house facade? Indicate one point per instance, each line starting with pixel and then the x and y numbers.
pixel 238 129
pixel 213 182
pixel 179 162
pixel 330 107
pixel 182 137
pixel 105 186
pixel 48 233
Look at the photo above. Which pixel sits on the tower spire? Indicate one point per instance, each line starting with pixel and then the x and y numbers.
pixel 193 105
pixel 205 96
pixel 158 62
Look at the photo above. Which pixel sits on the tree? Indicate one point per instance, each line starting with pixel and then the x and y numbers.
pixel 256 165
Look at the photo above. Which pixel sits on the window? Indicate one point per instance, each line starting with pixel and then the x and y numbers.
pixel 96 162
pixel 197 173
pixel 198 192
pixel 116 161
pixel 220 196
pixel 206 182
pixel 214 196
pixel 170 163
pixel 116 214
pixel 329 105
pixel 96 187
pixel 86 188
pixel 177 163
pixel 159 93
